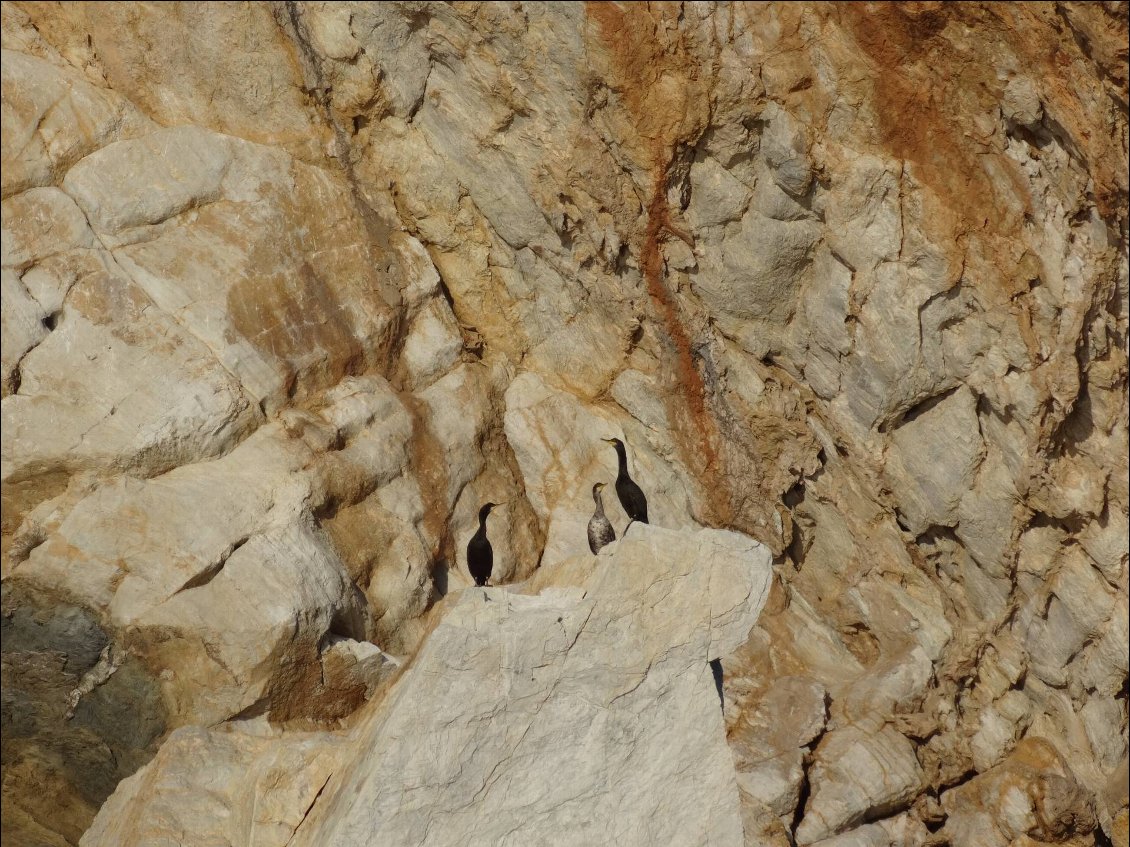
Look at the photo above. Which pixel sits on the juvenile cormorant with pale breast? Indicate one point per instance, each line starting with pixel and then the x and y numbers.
pixel 600 528
pixel 480 556
pixel 631 497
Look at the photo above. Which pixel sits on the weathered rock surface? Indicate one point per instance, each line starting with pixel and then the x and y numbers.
pixel 242 784
pixel 291 289
pixel 68 742
pixel 1031 794
pixel 522 719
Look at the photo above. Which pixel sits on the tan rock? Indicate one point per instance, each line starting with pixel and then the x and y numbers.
pixel 858 774
pixel 220 786
pixel 329 276
pixel 39 223
pixel 112 406
pixel 53 118
pixel 1032 793
pixel 22 323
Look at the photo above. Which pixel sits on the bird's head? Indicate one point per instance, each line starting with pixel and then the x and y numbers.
pixel 596 489
pixel 615 442
pixel 485 510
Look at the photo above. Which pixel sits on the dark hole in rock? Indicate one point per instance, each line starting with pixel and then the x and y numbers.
pixel 716 670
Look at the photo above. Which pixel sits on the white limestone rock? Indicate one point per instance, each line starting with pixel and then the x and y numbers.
pixel 933 458
pixel 22 324
pixel 39 223
pixel 421 278
pixel 53 118
pixel 881 323
pixel 233 569
pixel 717 196
pixel 432 345
pixel 181 167
pixel 1031 794
pixel 785 149
pixel 776 732
pixel 458 405
pixel 1105 542
pixel 1020 101
pixel 242 784
pixel 93 396
pixel 582 356
pixel 578 716
pixel 557 442
pixel 641 397
pixel 552 705
pixel 756 272
pixel 899 831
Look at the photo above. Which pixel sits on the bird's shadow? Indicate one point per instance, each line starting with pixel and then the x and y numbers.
pixel 440 570
pixel 716 669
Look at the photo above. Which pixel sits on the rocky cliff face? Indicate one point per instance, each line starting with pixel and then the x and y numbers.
pixel 290 289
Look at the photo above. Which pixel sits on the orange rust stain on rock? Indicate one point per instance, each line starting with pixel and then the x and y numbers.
pixel 935 72
pixel 657 80
pixel 659 85
pixel 688 375
pixel 925 95
pixel 1052 51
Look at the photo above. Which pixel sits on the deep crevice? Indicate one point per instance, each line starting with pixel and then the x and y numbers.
pixel 803 795
pixel 255 710
pixel 716 670
pixel 209 573
pixel 309 809
pixel 916 411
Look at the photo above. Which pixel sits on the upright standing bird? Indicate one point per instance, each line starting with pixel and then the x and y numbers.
pixel 631 497
pixel 600 528
pixel 480 556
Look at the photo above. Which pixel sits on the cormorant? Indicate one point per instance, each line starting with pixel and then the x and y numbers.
pixel 631 497
pixel 480 556
pixel 600 528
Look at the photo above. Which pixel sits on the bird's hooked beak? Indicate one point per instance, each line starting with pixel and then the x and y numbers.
pixel 610 440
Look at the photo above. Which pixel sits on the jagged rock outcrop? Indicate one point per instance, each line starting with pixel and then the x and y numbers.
pixel 290 289
pixel 581 715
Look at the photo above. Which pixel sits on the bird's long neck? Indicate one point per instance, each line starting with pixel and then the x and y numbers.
pixel 599 502
pixel 622 458
pixel 484 512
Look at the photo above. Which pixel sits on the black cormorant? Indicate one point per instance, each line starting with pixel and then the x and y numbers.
pixel 631 497
pixel 600 529
pixel 480 556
